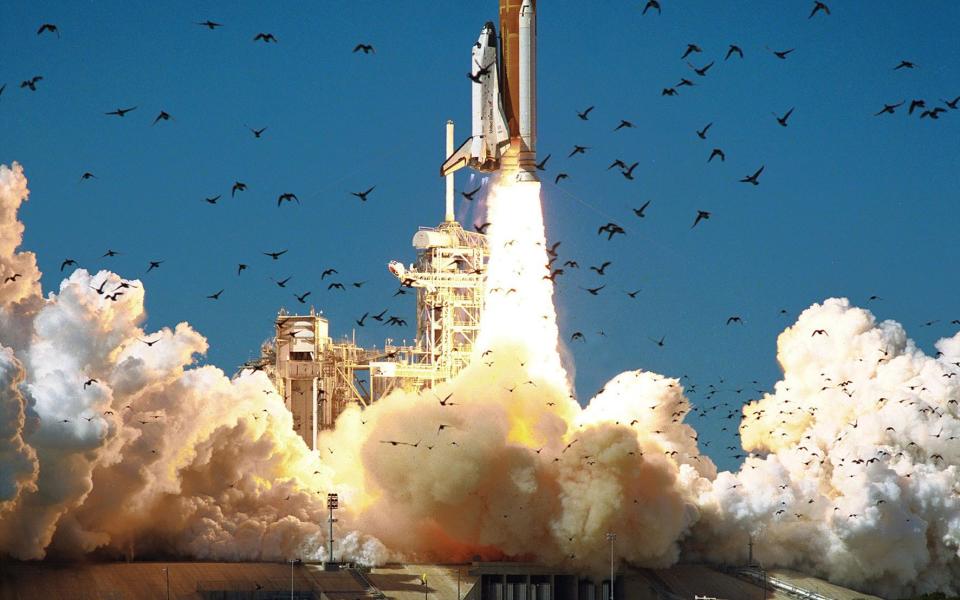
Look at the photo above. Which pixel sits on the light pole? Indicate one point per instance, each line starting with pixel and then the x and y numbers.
pixel 166 573
pixel 610 538
pixel 292 562
pixel 423 578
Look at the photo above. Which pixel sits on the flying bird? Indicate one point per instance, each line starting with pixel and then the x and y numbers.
pixel 241 267
pixel 718 153
pixel 257 132
pixel 889 108
pixel 753 178
pixel 215 296
pixel 594 291
pixel 585 114
pixel 212 200
pixel 275 255
pixel 363 195
pixel 282 282
pixel 120 112
pixel 734 49
pixel 328 272
pixel 31 83
pixel 702 133
pixel 238 186
pixel 365 48
pixel 88 175
pixel 817 7
pixel 904 64
pixel 469 195
pixel 690 48
pixel 288 197
pixel 578 150
pixel 68 262
pixel 669 92
pixel 302 299
pixel 163 116
pixel 602 268
pixel 49 27
pixel 701 215
pixel 734 319
pixel 640 211
pixel 651 4
pixel 702 71
pixel 210 24
pixel 783 120
pixel 481 228
pixel 782 54
pixel 154 264
pixel 559 177
pixel 265 37
pixel 623 123
pixel 915 104
pixel 542 165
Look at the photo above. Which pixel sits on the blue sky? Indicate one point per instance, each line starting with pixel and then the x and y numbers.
pixel 849 204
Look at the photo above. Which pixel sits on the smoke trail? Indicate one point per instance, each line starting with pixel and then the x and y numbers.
pixel 857 454
pixel 515 467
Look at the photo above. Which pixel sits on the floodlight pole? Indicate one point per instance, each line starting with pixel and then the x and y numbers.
pixel 166 572
pixel 611 537
pixel 333 502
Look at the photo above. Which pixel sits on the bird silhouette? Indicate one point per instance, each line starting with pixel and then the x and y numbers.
pixel 31 83
pixel 287 196
pixel 782 54
pixel 702 71
pixel 336 286
pixel 542 165
pixel 690 49
pixel 49 27
pixel 585 114
pixel 669 92
pixel 904 64
pixel 257 132
pixel 719 153
pixel 559 177
pixel 302 299
pixel 602 268
pixel 212 200
pixel 469 195
pixel 753 178
pixel 365 48
pixel 889 108
pixel 275 255
pixel 209 24
pixel 702 133
pixel 241 267
pixel 624 124
pixel 163 116
pixel 659 342
pixel 733 49
pixel 69 262
pixel 120 112
pixel 783 120
pixel 360 321
pixel 215 296
pixel 594 291
pixel 328 272
pixel 817 7
pixel 654 4
pixel 640 211
pixel 578 150
pixel 628 172
pixel 701 215
pixel 363 195
pixel 265 38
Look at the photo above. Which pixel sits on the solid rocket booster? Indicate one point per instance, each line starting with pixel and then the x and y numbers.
pixel 504 97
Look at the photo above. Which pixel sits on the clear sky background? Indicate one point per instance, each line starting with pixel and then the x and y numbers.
pixel 849 204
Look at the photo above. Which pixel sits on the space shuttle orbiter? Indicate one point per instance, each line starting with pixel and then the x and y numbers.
pixel 504 94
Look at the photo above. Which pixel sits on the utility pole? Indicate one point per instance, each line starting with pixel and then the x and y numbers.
pixel 333 503
pixel 166 572
pixel 611 537
pixel 292 562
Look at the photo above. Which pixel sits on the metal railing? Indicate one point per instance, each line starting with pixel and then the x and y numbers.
pixel 783 586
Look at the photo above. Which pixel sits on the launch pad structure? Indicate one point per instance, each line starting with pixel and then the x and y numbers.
pixel 319 377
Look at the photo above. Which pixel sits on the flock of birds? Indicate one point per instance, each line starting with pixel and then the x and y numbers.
pixel 689 54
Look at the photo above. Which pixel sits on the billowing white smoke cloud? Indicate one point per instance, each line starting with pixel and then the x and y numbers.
pixel 159 456
pixel 110 444
pixel 857 451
